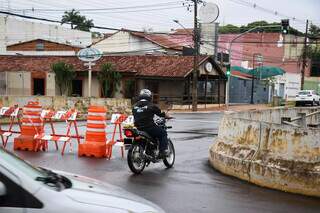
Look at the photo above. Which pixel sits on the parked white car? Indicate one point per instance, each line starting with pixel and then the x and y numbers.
pixel 307 97
pixel 27 189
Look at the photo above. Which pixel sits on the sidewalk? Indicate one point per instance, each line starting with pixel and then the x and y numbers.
pixel 222 108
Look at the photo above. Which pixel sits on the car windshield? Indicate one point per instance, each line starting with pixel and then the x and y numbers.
pixel 46 176
pixel 21 165
pixel 304 93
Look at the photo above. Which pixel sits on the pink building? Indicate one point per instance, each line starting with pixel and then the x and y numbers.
pixel 278 50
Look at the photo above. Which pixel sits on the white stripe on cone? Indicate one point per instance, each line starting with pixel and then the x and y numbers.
pixel 31 124
pixel 31 116
pixel 97 114
pixel 95 122
pixel 26 109
pixel 96 129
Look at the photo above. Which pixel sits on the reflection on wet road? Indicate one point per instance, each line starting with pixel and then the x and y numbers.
pixel 192 185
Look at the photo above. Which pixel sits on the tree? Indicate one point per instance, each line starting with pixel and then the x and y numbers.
pixel 236 30
pixel 109 79
pixel 314 30
pixel 64 74
pixel 313 53
pixel 76 20
pixel 229 28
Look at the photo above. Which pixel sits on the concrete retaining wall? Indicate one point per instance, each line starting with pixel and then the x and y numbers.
pixel 254 146
pixel 113 105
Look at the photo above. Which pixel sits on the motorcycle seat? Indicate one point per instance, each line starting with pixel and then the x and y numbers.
pixel 146 135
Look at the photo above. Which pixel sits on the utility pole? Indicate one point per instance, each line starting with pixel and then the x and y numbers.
pixel 195 57
pixel 253 76
pixel 304 56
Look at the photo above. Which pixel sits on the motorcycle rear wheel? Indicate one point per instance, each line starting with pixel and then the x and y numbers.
pixel 169 161
pixel 135 159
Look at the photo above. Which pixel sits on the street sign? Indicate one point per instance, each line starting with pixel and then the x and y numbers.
pixel 208 13
pixel 89 54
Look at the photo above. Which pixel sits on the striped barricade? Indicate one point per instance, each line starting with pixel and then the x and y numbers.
pixel 95 140
pixel 12 113
pixel 117 120
pixel 31 126
pixel 49 116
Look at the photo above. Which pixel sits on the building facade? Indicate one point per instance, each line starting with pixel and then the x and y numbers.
pixel 42 47
pixel 13 31
pixel 149 43
pixel 168 77
pixel 277 50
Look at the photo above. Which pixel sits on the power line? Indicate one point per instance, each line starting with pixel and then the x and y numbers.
pixel 59 22
pixel 266 10
pixel 166 4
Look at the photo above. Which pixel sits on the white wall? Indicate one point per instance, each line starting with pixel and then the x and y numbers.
pixel 292 83
pixel 124 42
pixel 14 30
pixel 209 36
pixel 19 83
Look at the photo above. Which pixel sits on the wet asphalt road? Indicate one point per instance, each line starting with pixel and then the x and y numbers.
pixel 191 186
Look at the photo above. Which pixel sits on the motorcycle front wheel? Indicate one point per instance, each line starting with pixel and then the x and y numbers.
pixel 169 160
pixel 135 159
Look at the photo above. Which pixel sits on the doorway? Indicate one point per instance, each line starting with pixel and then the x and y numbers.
pixel 38 86
pixel 153 86
pixel 77 88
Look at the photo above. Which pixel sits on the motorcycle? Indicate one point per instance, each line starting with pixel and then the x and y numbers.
pixel 143 149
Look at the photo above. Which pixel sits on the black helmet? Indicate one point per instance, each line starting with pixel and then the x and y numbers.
pixel 145 94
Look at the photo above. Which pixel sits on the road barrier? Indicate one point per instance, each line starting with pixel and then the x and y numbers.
pixel 95 144
pixel 48 116
pixel 31 126
pixel 264 148
pixel 33 137
pixel 13 114
pixel 117 120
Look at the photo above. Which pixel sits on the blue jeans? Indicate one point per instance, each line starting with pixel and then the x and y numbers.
pixel 160 134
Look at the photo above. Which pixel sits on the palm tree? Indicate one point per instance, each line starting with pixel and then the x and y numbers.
pixel 76 20
pixel 109 79
pixel 64 74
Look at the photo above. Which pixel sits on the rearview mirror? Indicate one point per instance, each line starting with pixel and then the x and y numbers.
pixel 3 189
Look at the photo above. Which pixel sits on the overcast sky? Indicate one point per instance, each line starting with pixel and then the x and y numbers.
pixel 160 17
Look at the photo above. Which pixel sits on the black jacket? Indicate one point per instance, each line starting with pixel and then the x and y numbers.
pixel 143 112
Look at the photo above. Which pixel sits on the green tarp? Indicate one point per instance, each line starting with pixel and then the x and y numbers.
pixel 260 72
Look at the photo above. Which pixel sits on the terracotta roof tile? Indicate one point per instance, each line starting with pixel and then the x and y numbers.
pixel 170 41
pixel 156 66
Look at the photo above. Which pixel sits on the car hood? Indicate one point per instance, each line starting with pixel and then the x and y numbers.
pixel 93 192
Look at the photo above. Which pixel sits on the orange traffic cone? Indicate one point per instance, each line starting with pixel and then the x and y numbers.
pixel 95 140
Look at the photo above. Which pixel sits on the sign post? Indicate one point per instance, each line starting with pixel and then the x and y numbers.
pixel 89 55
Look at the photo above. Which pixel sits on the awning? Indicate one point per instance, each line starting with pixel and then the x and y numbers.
pixel 260 72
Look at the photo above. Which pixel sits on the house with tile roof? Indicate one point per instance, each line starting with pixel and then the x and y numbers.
pixel 149 43
pixel 168 77
pixel 143 43
pixel 42 47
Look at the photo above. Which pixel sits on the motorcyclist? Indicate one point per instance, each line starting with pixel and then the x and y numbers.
pixel 143 112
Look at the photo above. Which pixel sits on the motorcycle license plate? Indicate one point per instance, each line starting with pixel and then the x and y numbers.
pixel 127 141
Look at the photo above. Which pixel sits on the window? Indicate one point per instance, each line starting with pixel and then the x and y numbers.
pixel 39 46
